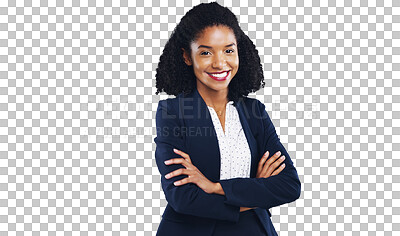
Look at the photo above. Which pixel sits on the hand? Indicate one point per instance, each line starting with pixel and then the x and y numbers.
pixel 270 167
pixel 194 175
pixel 246 208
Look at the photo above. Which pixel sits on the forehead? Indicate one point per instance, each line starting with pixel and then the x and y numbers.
pixel 215 36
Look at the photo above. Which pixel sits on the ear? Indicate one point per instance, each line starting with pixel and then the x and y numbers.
pixel 186 58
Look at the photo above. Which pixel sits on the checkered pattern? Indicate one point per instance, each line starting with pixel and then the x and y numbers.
pixel 77 108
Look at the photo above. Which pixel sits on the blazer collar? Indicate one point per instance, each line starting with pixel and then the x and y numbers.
pixel 197 117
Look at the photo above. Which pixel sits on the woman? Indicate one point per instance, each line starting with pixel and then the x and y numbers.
pixel 213 142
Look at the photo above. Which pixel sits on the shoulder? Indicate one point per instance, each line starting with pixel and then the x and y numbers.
pixel 167 102
pixel 169 105
pixel 251 101
pixel 252 105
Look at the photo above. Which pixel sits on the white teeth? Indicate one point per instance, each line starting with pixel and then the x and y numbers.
pixel 220 75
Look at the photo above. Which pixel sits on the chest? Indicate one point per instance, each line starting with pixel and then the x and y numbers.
pixel 222 122
pixel 205 145
pixel 235 154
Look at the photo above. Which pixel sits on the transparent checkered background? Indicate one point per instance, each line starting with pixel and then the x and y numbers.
pixel 77 109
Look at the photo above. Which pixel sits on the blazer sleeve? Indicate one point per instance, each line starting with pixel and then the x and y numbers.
pixel 268 192
pixel 187 198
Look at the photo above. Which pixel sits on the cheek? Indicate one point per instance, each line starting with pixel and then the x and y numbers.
pixel 198 70
pixel 235 62
pixel 199 66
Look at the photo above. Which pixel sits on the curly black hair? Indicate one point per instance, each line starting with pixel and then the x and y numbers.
pixel 174 76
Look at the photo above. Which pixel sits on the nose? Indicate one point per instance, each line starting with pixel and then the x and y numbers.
pixel 219 61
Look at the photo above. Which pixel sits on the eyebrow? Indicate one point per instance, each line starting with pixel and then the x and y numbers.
pixel 204 46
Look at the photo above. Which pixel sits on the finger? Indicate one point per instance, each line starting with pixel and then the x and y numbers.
pixel 272 159
pixel 266 171
pixel 275 164
pixel 262 161
pixel 184 155
pixel 182 182
pixel 178 160
pixel 269 162
pixel 277 171
pixel 177 172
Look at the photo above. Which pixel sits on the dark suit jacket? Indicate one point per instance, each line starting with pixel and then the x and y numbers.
pixel 185 123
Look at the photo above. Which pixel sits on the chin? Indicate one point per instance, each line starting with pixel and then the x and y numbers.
pixel 219 87
pixel 215 85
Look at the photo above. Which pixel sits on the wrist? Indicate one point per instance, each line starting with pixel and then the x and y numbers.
pixel 218 189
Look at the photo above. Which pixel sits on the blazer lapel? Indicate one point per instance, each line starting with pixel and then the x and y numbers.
pixel 245 117
pixel 201 137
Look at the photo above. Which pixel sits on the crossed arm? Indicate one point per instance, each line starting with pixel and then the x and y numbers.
pixel 266 168
pixel 225 199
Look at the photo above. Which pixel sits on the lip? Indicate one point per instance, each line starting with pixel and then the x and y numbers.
pixel 218 78
pixel 218 72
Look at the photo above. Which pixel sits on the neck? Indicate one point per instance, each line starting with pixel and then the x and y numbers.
pixel 214 98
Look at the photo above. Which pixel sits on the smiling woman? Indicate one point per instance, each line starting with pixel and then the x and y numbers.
pixel 224 178
pixel 220 62
pixel 215 62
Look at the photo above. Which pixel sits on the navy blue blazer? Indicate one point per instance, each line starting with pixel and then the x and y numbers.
pixel 184 123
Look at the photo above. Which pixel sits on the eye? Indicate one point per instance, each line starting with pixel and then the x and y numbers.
pixel 204 52
pixel 230 50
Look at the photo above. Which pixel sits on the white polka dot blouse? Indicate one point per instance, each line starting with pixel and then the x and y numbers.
pixel 233 146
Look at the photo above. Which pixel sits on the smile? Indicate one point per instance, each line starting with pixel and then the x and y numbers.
pixel 220 76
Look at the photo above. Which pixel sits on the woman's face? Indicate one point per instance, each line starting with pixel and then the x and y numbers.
pixel 214 58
